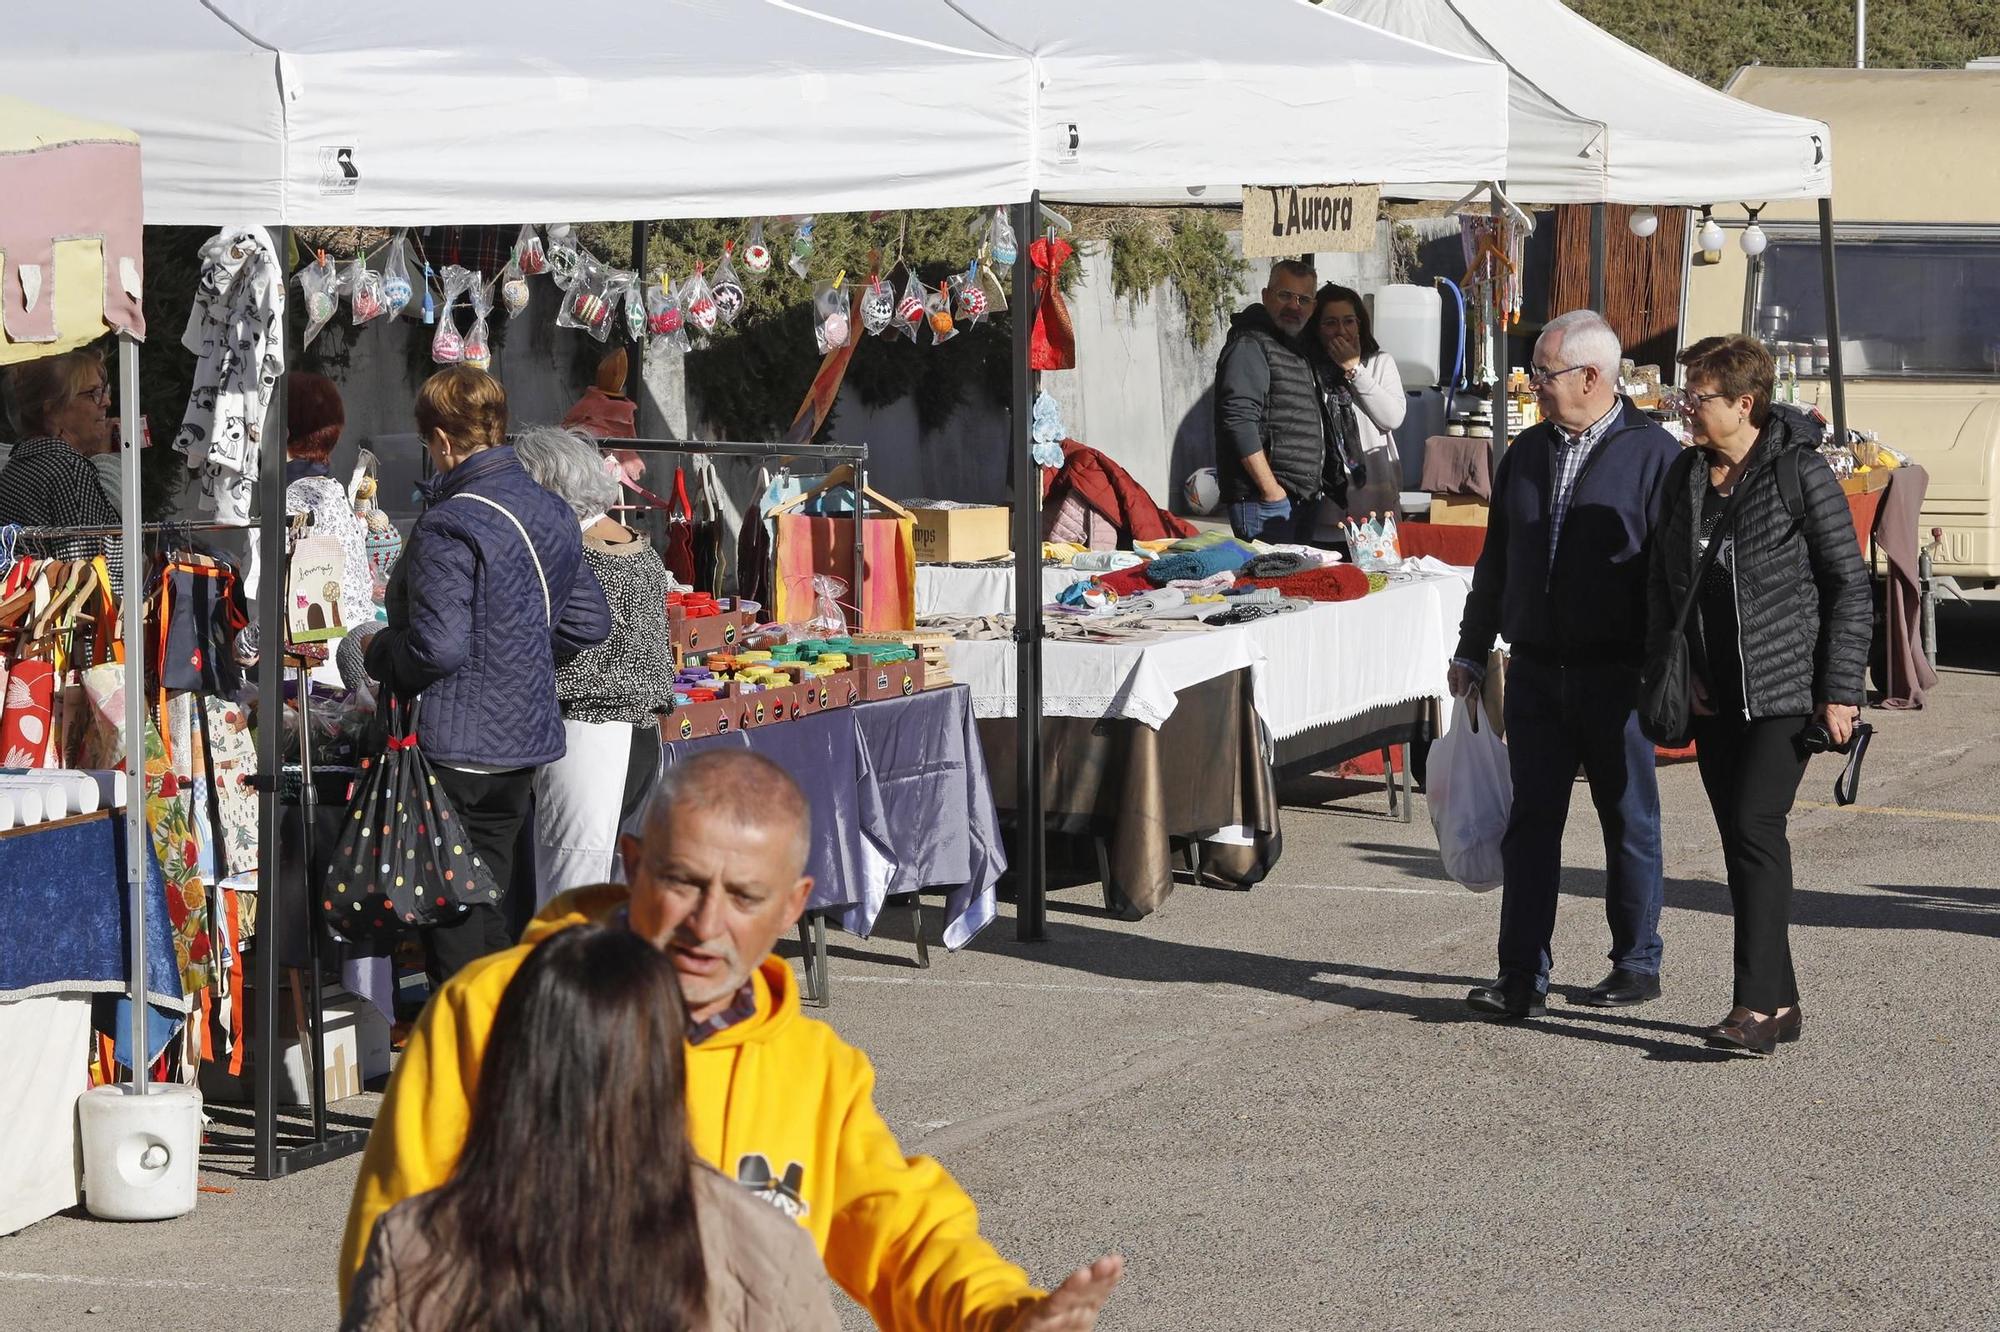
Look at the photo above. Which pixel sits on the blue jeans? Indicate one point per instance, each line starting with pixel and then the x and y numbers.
pixel 1282 522
pixel 1558 718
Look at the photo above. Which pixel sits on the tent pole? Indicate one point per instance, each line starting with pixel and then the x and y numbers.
pixel 136 857
pixel 1836 373
pixel 1597 257
pixel 635 367
pixel 268 1048
pixel 1499 413
pixel 1031 903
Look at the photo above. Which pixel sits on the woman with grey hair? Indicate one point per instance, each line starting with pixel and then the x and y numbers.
pixel 611 695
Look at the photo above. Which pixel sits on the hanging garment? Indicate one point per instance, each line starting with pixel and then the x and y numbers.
pixel 26 721
pixel 197 611
pixel 753 557
pixel 236 328
pixel 1052 342
pixel 173 836
pixel 333 516
pixel 679 557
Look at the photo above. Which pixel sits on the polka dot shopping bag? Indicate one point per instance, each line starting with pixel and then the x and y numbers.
pixel 402 861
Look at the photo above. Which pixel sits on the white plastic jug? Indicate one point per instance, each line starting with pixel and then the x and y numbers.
pixel 1409 323
pixel 141 1154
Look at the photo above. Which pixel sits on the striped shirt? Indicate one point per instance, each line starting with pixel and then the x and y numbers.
pixel 1572 453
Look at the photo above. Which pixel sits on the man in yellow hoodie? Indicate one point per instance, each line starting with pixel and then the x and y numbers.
pixel 775 1100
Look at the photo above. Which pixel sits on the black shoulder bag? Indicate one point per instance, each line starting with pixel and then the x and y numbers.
pixel 1666 687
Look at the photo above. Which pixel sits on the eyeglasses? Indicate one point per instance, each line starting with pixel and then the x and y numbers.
pixel 1292 297
pixel 101 395
pixel 1539 376
pixel 1686 401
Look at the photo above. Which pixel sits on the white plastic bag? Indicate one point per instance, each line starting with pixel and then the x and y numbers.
pixel 1470 792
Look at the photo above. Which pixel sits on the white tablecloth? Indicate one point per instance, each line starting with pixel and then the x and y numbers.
pixel 944 589
pixel 48 1042
pixel 1309 668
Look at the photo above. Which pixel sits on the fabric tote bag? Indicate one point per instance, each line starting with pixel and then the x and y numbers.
pixel 402 861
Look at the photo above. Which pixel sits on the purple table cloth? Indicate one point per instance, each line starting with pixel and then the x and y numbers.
pixel 944 830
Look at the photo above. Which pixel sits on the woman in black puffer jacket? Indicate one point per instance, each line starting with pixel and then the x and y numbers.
pixel 1777 640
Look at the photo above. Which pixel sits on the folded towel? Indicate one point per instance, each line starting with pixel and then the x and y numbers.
pixel 1200 541
pixel 1106 561
pixel 1333 582
pixel 1278 564
pixel 1126 582
pixel 1193 566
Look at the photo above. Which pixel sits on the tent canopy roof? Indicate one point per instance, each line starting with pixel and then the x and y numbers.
pixel 386 113
pixel 675 108
pixel 70 238
pixel 1164 95
pixel 1593 120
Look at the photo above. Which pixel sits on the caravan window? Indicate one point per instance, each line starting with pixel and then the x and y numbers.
pixel 1908 306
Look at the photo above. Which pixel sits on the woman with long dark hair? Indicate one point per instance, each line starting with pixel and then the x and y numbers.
pixel 578 1202
pixel 1361 397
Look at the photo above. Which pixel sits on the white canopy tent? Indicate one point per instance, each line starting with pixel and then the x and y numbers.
pixel 1180 101
pixel 1592 120
pixel 395 114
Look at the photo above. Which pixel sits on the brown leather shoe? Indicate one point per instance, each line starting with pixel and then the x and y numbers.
pixel 1745 1033
pixel 1789 1025
pixel 1736 1016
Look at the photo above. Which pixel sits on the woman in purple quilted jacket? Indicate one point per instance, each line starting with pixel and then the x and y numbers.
pixel 490 595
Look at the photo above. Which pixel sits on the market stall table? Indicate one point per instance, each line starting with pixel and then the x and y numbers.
pixel 900 802
pixel 1183 736
pixel 981 589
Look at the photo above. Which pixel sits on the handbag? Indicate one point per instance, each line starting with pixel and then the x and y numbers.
pixel 402 861
pixel 1665 684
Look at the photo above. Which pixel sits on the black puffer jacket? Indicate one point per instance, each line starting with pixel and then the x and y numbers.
pixel 1801 587
pixel 1267 401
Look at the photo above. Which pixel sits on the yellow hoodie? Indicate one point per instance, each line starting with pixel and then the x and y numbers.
pixel 777 1100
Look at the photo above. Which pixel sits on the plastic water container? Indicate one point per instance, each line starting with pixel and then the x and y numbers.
pixel 140 1153
pixel 1409 323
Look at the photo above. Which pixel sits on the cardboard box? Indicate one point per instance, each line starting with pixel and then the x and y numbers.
pixel 894 680
pixel 695 720
pixel 1458 510
pixel 708 633
pixel 954 534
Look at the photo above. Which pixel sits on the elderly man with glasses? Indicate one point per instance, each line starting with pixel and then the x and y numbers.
pixel 1563 578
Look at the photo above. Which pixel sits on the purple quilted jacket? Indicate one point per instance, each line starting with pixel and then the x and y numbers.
pixel 468 630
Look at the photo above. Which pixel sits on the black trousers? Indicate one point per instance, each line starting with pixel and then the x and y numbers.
pixel 494 806
pixel 1752 771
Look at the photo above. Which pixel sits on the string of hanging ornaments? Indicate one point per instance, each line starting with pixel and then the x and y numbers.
pixel 655 310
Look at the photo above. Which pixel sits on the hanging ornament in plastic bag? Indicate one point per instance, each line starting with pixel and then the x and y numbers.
pixel 624 290
pixel 478 347
pixel 529 255
pixel 364 292
pixel 937 313
pixel 990 284
pixel 878 306
pixel 564 256
pixel 665 321
pixel 756 254
pixel 699 302
pixel 802 246
pixel 1000 239
pixel 513 287
pixel 832 326
pixel 586 305
pixel 430 306
pixel 447 344
pixel 396 288
pixel 967 298
pixel 725 287
pixel 321 285
pixel 910 309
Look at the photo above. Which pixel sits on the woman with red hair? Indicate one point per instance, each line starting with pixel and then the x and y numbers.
pixel 314 418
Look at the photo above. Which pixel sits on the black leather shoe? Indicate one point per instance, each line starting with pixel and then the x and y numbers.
pixel 1509 998
pixel 1620 989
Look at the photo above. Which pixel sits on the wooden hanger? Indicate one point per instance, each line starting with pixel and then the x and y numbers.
pixel 842 475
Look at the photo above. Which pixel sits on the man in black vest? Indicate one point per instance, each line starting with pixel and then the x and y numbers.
pixel 1270 443
pixel 1563 577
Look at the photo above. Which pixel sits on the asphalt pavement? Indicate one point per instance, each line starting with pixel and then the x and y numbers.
pixel 1275 1105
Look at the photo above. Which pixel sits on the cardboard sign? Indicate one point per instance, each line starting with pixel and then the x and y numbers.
pixel 1283 221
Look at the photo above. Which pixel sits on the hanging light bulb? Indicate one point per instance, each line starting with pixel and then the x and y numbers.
pixel 1710 236
pixel 1644 222
pixel 1754 239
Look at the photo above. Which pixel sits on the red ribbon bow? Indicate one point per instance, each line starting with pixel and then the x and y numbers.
pixel 403 742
